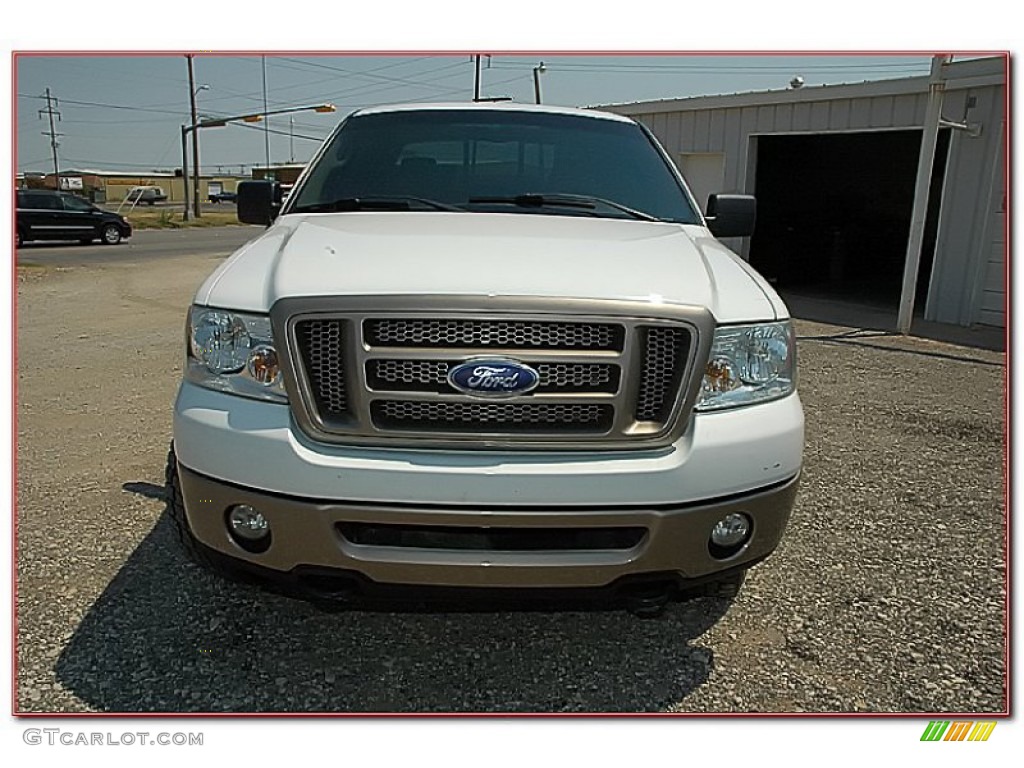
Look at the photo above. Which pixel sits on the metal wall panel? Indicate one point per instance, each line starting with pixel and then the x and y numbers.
pixel 731 144
pixel 783 119
pixel 802 117
pixel 908 110
pixel 840 115
pixel 821 115
pixel 965 222
pixel 881 112
pixel 860 113
pixel 716 131
pixel 992 310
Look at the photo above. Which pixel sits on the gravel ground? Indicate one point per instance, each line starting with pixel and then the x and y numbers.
pixel 887 594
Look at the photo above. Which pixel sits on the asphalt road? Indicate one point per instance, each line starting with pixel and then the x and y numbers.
pixel 887 594
pixel 144 245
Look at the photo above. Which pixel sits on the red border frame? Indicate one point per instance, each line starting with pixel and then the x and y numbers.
pixel 1007 464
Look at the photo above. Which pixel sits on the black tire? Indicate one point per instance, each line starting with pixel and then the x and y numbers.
pixel 110 234
pixel 197 552
pixel 21 239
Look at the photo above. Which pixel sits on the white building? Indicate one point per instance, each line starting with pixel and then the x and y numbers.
pixel 833 168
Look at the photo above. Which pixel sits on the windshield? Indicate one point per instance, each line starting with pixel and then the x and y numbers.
pixel 494 160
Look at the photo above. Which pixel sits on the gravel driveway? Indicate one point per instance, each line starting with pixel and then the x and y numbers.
pixel 887 594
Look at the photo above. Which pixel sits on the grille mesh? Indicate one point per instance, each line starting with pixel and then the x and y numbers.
pixel 320 342
pixel 491 417
pixel 663 361
pixel 507 334
pixel 431 376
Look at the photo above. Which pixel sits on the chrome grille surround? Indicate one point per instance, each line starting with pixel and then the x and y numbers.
pixel 615 390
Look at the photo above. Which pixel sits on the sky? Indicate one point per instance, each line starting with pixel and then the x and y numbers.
pixel 124 112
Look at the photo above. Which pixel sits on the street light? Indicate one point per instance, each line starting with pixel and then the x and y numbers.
pixel 220 122
pixel 536 80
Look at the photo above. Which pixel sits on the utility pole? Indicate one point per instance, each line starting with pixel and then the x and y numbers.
pixel 925 161
pixel 51 102
pixel 184 170
pixel 266 120
pixel 195 139
pixel 476 80
pixel 291 139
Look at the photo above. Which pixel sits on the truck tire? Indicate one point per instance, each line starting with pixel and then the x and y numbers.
pixel 727 588
pixel 196 551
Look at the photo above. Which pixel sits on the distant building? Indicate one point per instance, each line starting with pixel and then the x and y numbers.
pixel 833 168
pixel 112 186
pixel 286 173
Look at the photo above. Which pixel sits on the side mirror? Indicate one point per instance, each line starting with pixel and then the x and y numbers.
pixel 258 201
pixel 731 215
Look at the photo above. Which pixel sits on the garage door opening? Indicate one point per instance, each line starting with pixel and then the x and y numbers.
pixel 834 214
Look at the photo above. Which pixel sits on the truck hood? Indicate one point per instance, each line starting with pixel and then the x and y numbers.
pixel 482 254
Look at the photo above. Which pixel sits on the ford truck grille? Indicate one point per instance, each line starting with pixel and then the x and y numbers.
pixel 381 377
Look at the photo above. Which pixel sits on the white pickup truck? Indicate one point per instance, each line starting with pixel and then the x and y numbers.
pixel 490 346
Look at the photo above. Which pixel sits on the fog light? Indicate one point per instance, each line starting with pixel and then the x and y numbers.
pixel 248 523
pixel 731 531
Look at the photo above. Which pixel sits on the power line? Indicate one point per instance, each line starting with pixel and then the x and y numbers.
pixel 357 73
pixel 279 133
pixel 107 106
pixel 76 161
pixel 147 121
pixel 908 66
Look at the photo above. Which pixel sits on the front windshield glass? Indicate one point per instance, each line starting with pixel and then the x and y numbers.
pixel 487 160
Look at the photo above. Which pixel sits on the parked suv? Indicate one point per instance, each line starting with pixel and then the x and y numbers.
pixel 47 215
pixel 488 346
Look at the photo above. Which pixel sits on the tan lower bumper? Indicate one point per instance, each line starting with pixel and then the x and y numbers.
pixel 305 533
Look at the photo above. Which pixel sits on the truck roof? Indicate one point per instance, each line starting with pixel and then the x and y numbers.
pixel 493 106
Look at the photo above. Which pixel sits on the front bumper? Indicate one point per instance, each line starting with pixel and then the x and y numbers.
pixel 256 444
pixel 306 534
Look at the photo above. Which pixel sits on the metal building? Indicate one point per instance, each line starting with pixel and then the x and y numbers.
pixel 834 167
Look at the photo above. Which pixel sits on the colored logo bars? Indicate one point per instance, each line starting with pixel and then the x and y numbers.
pixel 959 730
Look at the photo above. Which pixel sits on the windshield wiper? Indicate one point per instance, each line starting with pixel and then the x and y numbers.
pixel 532 200
pixel 376 203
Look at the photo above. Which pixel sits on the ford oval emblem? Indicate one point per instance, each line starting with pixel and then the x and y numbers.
pixel 493 377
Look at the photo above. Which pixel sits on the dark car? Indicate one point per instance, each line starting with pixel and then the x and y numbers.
pixel 223 197
pixel 48 215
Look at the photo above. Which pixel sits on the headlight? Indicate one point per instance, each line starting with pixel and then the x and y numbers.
pixel 749 364
pixel 234 352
